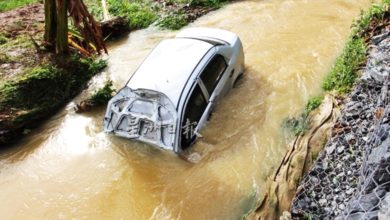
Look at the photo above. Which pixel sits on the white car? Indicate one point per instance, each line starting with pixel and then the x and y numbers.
pixel 171 95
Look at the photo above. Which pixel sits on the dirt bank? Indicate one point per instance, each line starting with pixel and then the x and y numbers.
pixel 34 82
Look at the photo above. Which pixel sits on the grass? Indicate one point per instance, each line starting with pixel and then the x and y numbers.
pixel 45 88
pixel 139 14
pixel 298 125
pixel 6 5
pixel 313 103
pixel 207 3
pixel 345 70
pixel 3 39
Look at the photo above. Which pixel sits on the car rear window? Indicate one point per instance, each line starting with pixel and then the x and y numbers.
pixel 213 72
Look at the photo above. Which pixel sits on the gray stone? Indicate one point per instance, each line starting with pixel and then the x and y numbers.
pixel 379 38
pixel 322 202
pixel 340 149
pixel 330 149
pixel 350 191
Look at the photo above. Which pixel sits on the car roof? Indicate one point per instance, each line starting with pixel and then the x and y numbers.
pixel 169 66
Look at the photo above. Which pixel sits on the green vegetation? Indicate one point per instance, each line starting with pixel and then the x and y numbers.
pixel 307 216
pixel 344 72
pixel 6 5
pixel 95 8
pixel 102 96
pixel 207 3
pixel 313 103
pixel 139 14
pixel 174 21
pixel 43 89
pixel 3 39
pixel 298 125
pixel 174 14
pixel 376 11
pixel 180 18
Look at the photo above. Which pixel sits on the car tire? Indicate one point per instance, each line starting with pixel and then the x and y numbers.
pixel 238 80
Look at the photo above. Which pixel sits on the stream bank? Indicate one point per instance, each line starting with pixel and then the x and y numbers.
pixel 350 179
pixel 331 179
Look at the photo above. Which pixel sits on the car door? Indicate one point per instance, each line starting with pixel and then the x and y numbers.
pixel 212 75
pixel 192 114
pixel 202 100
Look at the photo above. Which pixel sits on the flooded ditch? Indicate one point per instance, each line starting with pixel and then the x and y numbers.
pixel 69 168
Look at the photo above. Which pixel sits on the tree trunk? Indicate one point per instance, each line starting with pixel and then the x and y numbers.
pixel 62 27
pixel 50 22
pixel 56 25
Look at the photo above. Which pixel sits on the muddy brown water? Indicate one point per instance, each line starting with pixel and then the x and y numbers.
pixel 68 168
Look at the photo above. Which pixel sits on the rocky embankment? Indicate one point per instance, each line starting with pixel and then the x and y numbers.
pixel 351 177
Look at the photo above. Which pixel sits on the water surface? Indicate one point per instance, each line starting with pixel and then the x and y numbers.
pixel 68 168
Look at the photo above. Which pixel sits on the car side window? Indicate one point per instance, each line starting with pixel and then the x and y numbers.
pixel 194 110
pixel 213 72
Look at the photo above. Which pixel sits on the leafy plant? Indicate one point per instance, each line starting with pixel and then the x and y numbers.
pixel 313 103
pixel 298 125
pixel 103 95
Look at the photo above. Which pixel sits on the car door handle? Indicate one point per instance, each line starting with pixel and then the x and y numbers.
pixel 231 73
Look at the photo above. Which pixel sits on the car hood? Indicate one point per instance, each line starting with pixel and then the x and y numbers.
pixel 143 115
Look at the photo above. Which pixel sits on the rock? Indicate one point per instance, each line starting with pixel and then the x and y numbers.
pixel 384 208
pixel 330 149
pixel 322 202
pixel 349 191
pixel 379 38
pixel 340 149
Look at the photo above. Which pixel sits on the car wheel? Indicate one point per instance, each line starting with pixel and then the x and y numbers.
pixel 238 80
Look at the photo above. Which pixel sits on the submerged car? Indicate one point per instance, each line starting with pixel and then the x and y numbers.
pixel 171 95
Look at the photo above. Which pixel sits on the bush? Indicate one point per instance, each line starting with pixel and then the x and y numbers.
pixel 103 95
